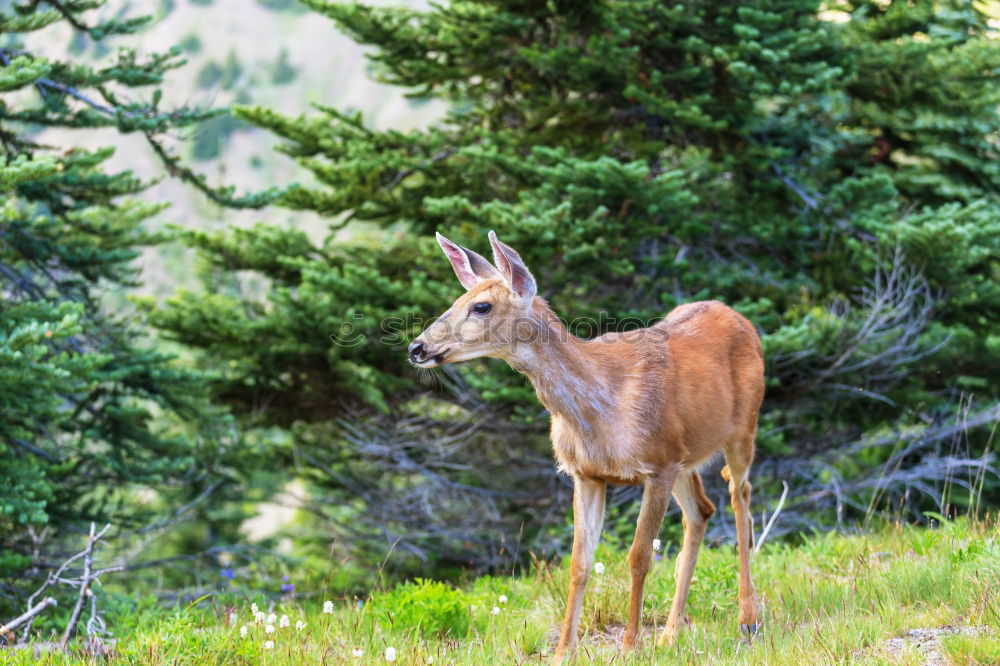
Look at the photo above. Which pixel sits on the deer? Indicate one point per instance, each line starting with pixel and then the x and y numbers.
pixel 647 407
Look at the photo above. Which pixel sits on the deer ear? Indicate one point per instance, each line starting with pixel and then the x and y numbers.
pixel 471 268
pixel 513 269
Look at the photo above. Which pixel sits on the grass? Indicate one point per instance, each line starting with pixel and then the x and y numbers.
pixel 833 599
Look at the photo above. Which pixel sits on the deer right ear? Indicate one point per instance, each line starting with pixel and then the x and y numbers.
pixel 514 270
pixel 471 268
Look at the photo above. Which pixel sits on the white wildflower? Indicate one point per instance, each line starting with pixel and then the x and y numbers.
pixel 502 599
pixel 232 617
pixel 358 652
pixel 253 609
pixel 430 660
pixel 243 631
pixel 328 607
pixel 269 645
pixel 496 610
pixel 269 629
pixel 657 544
pixel 390 654
pixel 272 618
pixel 598 568
pixel 300 625
pixel 283 622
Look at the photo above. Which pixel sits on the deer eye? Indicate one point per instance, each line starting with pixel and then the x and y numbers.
pixel 481 308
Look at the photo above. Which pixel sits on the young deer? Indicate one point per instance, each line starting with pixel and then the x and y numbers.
pixel 647 406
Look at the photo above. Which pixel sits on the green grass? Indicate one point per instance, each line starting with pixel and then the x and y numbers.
pixel 832 600
pixel 972 649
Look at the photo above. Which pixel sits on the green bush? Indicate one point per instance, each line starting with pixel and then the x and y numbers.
pixel 429 605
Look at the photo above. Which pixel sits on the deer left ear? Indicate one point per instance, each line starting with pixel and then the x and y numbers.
pixel 514 270
pixel 470 268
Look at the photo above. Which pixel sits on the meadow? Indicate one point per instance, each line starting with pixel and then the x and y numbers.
pixel 832 599
pixel 204 336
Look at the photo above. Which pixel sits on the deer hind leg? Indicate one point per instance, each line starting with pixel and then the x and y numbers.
pixel 696 509
pixel 588 514
pixel 738 459
pixel 655 497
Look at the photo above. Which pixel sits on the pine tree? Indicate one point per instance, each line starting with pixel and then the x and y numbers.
pixel 639 154
pixel 90 410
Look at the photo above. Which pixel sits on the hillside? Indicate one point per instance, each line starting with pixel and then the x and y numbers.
pixel 900 595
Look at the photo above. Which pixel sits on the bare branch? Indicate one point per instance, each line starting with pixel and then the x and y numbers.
pixel 878 337
pixel 85 582
pixel 770 523
pixel 31 613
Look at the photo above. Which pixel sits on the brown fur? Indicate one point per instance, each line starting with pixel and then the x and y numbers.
pixel 647 406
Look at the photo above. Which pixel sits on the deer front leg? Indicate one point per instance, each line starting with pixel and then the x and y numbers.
pixel 588 514
pixel 655 497
pixel 696 509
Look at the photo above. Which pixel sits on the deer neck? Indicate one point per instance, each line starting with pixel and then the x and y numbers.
pixel 567 380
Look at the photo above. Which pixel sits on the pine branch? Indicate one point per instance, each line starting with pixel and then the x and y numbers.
pixel 73 92
pixel 68 15
pixel 221 195
pixel 405 173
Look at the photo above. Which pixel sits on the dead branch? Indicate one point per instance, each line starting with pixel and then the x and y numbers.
pixel 31 613
pixel 429 486
pixel 878 338
pixel 913 467
pixel 85 582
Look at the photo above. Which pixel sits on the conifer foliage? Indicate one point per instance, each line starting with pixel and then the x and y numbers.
pixel 89 412
pixel 830 171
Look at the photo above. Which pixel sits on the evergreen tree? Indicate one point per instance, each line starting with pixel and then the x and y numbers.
pixel 90 412
pixel 638 154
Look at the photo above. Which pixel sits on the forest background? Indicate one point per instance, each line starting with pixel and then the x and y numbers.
pixel 224 380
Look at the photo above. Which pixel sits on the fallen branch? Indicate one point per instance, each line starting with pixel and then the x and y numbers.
pixel 85 582
pixel 18 621
pixel 774 516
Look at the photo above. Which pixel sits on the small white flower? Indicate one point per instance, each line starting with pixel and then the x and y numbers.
pixel 300 625
pixel 258 617
pixel 253 609
pixel 390 654
pixel 502 599
pixel 328 607
pixel 272 618
pixel 598 568
pixel 430 660
pixel 358 652
pixel 269 645
pixel 283 622
pixel 269 629
pixel 232 618
pixel 496 610
pixel 657 544
pixel 243 631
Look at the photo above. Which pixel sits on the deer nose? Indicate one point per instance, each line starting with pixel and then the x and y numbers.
pixel 416 351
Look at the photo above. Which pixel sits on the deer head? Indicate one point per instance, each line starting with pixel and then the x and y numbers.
pixel 484 321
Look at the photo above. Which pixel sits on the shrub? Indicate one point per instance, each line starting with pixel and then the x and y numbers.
pixel 431 606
